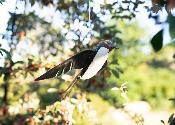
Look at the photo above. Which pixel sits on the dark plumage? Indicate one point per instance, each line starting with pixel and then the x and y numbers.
pixel 88 61
pixel 79 61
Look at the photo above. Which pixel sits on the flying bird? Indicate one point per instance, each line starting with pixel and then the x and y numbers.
pixel 90 62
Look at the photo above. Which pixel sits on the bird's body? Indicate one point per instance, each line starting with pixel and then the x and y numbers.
pixel 96 64
pixel 90 62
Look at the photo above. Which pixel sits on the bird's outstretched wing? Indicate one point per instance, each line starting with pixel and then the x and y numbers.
pixel 78 61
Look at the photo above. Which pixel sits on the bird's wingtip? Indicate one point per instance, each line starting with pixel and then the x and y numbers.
pixel 39 78
pixel 36 79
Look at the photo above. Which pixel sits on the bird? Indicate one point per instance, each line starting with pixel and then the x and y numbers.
pixel 89 61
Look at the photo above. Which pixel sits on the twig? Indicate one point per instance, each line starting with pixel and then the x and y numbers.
pixel 69 88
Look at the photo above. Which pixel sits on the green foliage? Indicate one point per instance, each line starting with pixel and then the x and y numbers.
pixel 171 20
pixel 171 120
pixel 148 81
pixel 64 112
pixel 158 6
pixel 149 77
pixel 7 53
pixel 157 41
pixel 128 35
pixel 1 1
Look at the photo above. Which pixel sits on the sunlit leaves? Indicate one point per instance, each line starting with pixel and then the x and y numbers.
pixel 3 70
pixel 158 5
pixel 19 24
pixel 171 21
pixel 115 73
pixel 171 119
pixel 1 1
pixel 123 89
pixel 44 2
pixel 157 41
pixel 1 53
pixel 62 112
pixel 7 53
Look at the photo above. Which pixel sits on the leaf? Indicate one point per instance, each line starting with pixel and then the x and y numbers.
pixel 171 21
pixel 3 70
pixel 115 73
pixel 170 118
pixel 32 2
pixel 108 6
pixel 1 1
pixel 162 121
pixel 157 41
pixel 1 53
pixel 7 53
pixel 115 3
pixel 19 62
pixel 115 88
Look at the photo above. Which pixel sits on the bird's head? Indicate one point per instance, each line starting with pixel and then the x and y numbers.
pixel 107 44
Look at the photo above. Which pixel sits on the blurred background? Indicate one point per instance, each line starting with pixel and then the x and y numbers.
pixel 136 87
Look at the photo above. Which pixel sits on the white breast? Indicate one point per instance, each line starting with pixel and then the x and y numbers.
pixel 97 63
